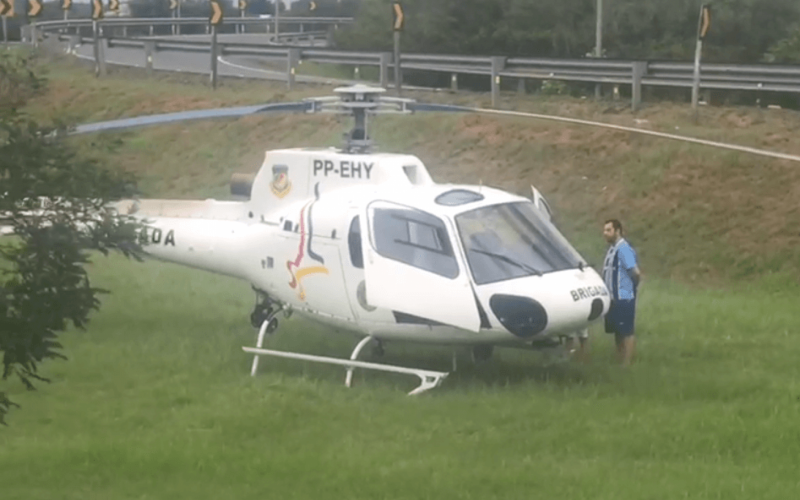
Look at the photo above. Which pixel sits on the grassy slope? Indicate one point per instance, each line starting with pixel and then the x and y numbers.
pixel 694 213
pixel 155 401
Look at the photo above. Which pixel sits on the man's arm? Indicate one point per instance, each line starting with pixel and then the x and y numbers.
pixel 636 275
pixel 628 261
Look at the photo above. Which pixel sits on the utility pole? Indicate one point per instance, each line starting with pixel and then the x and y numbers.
pixel 598 43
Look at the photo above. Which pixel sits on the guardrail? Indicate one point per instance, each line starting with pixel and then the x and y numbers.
pixel 292 25
pixel 751 77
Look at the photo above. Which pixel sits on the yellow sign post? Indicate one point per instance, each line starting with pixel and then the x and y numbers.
pixel 6 10
pixel 35 8
pixel 97 14
pixel 97 10
pixel 397 25
pixel 705 22
pixel 175 8
pixel 399 17
pixel 242 8
pixel 703 25
pixel 215 19
pixel 33 12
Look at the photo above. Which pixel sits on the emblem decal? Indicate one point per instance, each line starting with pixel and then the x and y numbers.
pixel 281 185
pixel 295 271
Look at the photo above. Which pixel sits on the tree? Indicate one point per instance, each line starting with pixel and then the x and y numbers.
pixel 56 202
pixel 742 30
pixel 786 50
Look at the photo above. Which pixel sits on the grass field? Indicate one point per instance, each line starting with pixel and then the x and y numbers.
pixel 156 400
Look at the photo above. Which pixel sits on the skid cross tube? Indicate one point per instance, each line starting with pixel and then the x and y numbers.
pixel 428 379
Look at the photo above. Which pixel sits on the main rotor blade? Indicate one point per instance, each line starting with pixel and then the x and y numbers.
pixel 203 114
pixel 438 108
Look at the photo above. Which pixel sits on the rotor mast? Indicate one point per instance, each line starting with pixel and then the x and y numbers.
pixel 360 101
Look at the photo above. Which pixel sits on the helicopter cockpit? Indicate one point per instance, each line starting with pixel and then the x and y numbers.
pixel 512 240
pixel 460 252
pixel 501 241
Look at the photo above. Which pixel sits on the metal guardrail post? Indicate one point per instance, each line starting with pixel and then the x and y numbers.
pixel 149 50
pixel 293 57
pixel 385 59
pixel 95 49
pixel 101 52
pixel 521 86
pixel 214 57
pixel 498 65
pixel 639 70
pixel 74 41
pixel 454 82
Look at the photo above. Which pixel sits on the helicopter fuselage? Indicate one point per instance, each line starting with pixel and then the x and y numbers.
pixel 369 244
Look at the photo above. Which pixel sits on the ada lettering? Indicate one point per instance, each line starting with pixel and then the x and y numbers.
pixel 156 237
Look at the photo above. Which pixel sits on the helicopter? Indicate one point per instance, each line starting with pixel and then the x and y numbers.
pixel 367 243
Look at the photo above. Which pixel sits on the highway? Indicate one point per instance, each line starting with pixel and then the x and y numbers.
pixel 241 66
pixel 200 63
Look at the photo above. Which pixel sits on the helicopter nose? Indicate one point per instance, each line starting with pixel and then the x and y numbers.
pixel 522 316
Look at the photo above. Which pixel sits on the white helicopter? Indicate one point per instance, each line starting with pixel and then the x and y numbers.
pixel 368 243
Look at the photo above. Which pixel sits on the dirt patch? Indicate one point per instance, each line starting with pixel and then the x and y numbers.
pixel 737 120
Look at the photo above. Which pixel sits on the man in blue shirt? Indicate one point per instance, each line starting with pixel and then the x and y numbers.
pixel 622 276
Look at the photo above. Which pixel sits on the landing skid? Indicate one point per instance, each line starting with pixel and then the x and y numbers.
pixel 428 379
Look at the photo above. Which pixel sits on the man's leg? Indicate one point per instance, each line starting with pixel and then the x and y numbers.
pixel 629 346
pixel 619 339
pixel 612 325
pixel 626 340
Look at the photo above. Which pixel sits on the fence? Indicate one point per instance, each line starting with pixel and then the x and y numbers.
pixel 752 77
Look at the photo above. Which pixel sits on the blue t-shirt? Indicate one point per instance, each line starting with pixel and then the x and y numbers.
pixel 620 259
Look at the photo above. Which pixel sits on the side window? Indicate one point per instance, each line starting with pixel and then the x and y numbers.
pixel 354 242
pixel 415 238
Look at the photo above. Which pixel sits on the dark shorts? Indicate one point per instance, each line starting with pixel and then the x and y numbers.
pixel 620 318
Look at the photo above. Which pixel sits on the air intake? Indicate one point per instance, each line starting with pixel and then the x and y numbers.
pixel 242 184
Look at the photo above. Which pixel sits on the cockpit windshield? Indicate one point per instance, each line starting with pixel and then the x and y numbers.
pixel 513 240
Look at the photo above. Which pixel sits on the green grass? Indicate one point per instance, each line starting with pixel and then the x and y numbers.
pixel 156 401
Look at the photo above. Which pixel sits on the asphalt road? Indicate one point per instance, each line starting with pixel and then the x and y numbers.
pixel 200 63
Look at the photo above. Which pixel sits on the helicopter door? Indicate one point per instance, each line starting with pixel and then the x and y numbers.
pixel 540 203
pixel 411 266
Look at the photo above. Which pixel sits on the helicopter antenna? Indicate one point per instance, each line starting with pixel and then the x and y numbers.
pixel 360 101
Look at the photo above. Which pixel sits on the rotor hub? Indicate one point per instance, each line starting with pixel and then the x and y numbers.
pixel 359 101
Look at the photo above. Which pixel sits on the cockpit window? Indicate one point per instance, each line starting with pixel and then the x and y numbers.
pixel 512 240
pixel 415 238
